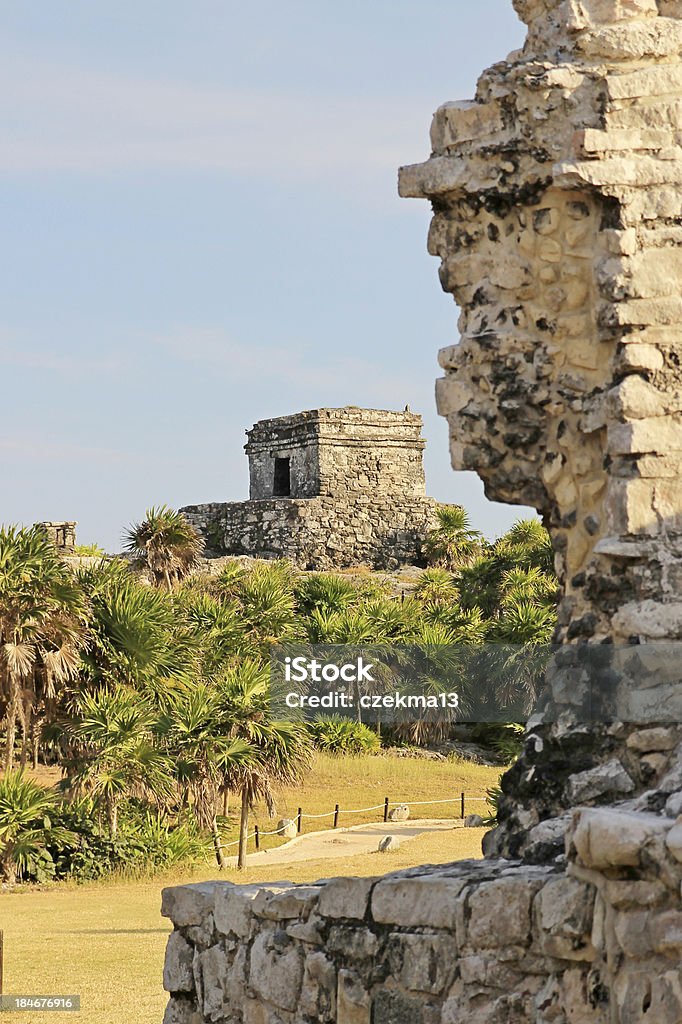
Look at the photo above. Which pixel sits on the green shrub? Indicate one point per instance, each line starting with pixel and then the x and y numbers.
pixel 338 735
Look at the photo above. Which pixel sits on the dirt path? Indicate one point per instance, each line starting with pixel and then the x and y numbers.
pixel 346 842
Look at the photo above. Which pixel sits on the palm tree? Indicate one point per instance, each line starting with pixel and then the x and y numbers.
pixel 136 636
pixel 25 826
pixel 166 542
pixel 42 628
pixel 114 755
pixel 453 543
pixel 280 750
pixel 267 602
pixel 197 731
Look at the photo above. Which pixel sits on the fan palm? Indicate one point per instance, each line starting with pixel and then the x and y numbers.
pixel 25 825
pixel 453 543
pixel 280 750
pixel 166 542
pixel 114 755
pixel 42 628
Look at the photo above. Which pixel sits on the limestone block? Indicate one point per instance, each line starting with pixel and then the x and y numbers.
pixel 177 968
pixel 189 904
pixel 388 844
pixel 287 904
pixel 673 841
pixel 400 813
pixel 565 909
pixel 234 909
pixel 652 81
pixel 653 619
pixel 181 1011
pixel 500 913
pixel 645 435
pixel 473 821
pixel 644 741
pixel 634 40
pixel 423 963
pixel 429 901
pixel 632 932
pixel 463 121
pixel 346 898
pixel 636 399
pixel 353 1002
pixel 582 14
pixel 318 991
pixel 634 893
pixel 214 973
pixel 610 777
pixel 605 837
pixel 276 971
pixel 666 933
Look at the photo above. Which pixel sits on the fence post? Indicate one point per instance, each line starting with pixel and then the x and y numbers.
pixel 336 815
pixel 257 836
pixel 299 819
pixel 462 806
pixel 385 808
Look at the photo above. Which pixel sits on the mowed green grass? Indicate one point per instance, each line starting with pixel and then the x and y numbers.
pixel 106 941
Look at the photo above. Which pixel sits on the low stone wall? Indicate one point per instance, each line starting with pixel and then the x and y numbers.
pixel 320 533
pixel 597 938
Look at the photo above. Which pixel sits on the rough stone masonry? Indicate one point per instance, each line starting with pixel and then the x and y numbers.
pixel 557 196
pixel 329 489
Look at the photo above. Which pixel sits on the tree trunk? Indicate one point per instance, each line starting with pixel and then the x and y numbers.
pixel 9 868
pixel 219 855
pixel 226 801
pixel 243 829
pixel 112 816
pixel 11 732
pixel 37 729
pixel 26 733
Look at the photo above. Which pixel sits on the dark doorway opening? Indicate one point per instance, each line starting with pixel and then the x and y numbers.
pixel 282 486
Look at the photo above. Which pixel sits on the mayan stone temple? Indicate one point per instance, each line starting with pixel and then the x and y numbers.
pixel 329 488
pixel 557 198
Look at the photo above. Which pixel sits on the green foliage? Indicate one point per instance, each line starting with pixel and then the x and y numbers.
pixel 26 827
pixel 89 551
pixel 338 735
pixel 156 699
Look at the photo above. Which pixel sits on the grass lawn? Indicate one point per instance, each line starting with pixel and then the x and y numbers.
pixel 106 941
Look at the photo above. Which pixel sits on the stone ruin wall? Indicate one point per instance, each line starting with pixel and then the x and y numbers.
pixel 557 197
pixel 320 533
pixel 481 942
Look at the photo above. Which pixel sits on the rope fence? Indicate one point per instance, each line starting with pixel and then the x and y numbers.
pixel 386 806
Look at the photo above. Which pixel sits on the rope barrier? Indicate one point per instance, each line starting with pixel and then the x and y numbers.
pixel 360 810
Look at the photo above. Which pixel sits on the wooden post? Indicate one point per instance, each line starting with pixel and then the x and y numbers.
pixel 336 815
pixel 386 808
pixel 462 806
pixel 299 820
pixel 257 836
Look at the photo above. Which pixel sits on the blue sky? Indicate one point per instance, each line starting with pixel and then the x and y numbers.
pixel 201 229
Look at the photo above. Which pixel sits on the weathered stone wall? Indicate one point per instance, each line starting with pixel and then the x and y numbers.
pixel 487 942
pixel 558 221
pixel 61 534
pixel 320 533
pixel 340 452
